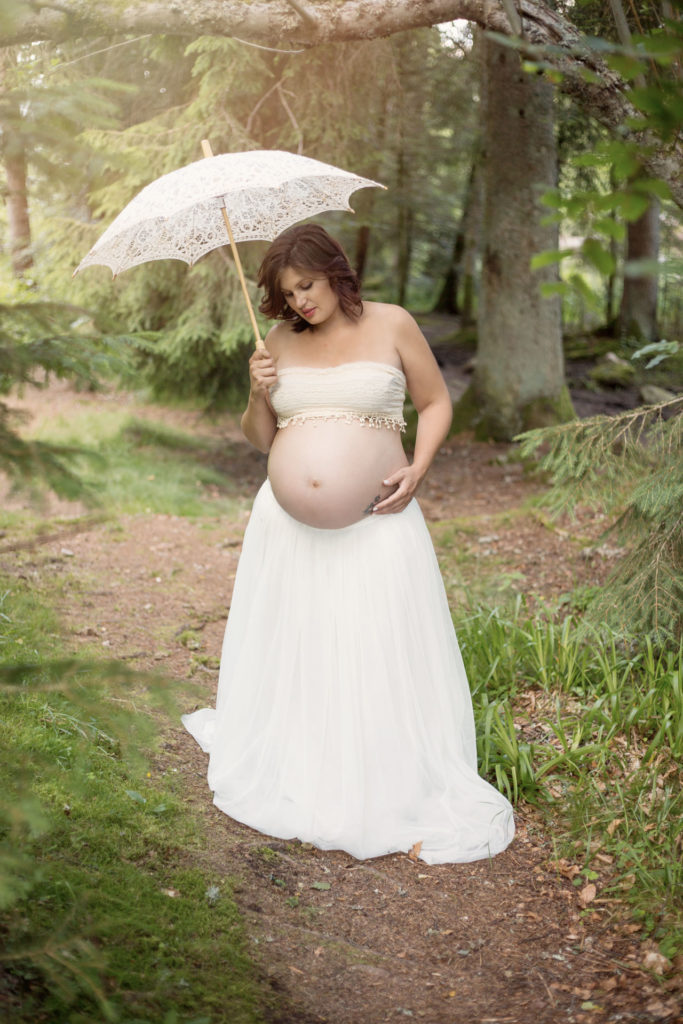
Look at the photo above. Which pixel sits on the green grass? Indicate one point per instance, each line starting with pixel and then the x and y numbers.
pixel 105 913
pixel 137 466
pixel 590 730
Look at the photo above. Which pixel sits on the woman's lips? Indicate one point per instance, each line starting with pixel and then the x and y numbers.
pixel 308 312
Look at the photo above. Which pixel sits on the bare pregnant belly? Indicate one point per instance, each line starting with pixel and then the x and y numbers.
pixel 325 473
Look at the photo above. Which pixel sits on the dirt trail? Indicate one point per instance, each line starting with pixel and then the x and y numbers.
pixel 339 940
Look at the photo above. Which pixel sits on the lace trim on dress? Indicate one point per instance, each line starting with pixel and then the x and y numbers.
pixel 343 416
pixel 368 393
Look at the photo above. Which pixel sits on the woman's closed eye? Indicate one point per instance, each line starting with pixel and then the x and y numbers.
pixel 303 287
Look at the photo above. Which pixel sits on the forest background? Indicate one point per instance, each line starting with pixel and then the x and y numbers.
pixel 533 205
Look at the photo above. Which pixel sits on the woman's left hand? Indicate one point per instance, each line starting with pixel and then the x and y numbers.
pixel 406 481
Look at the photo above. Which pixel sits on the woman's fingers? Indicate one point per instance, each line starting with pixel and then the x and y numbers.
pixel 262 370
pixel 406 483
pixel 396 501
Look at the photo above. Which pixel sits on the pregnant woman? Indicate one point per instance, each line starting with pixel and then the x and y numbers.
pixel 343 714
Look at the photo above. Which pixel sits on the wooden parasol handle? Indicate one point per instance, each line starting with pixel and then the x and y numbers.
pixel 207 151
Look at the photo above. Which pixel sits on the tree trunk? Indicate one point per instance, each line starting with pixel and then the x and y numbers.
pixel 405 246
pixel 473 240
pixel 362 245
pixel 448 300
pixel 519 376
pixel 18 223
pixel 404 213
pixel 638 310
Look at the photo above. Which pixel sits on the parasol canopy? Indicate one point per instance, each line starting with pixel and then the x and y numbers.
pixel 232 197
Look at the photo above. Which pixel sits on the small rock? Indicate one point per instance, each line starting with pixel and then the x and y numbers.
pixel 653 395
pixel 613 372
pixel 656 962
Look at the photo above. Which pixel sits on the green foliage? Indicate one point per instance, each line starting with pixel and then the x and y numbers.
pixel 631 464
pixel 100 914
pixel 590 729
pixel 131 465
pixel 658 352
pixel 39 340
pixel 388 114
pixel 607 185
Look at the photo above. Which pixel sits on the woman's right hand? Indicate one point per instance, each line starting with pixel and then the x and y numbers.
pixel 262 372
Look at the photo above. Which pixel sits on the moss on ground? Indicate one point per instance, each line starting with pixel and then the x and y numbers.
pixel 105 913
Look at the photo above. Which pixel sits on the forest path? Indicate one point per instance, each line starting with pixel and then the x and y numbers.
pixel 337 940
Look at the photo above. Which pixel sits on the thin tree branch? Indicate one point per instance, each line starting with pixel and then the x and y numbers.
pixel 624 33
pixel 304 11
pixel 290 114
pixel 95 53
pixel 255 110
pixel 513 17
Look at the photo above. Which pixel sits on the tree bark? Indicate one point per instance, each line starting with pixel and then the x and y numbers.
pixel 404 252
pixel 447 301
pixel 462 266
pixel 519 376
pixel 638 309
pixel 362 246
pixel 277 24
pixel 473 240
pixel 18 223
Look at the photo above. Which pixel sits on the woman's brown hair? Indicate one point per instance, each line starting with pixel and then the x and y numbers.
pixel 307 247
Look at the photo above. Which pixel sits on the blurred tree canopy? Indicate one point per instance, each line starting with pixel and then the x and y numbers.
pixel 89 118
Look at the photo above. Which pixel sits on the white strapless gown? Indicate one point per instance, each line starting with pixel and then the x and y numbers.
pixel 343 714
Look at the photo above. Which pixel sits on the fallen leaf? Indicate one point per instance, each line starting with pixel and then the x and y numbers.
pixel 606 858
pixel 659 1009
pixel 587 894
pixel 320 885
pixel 414 851
pixel 656 962
pixel 318 951
pixel 565 868
pixel 613 826
pixel 295 969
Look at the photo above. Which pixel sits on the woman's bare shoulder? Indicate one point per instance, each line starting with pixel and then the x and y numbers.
pixel 277 337
pixel 388 312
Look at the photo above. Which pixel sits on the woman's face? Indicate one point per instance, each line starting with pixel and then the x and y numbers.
pixel 309 294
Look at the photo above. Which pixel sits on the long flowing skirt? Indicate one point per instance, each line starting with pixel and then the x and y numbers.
pixel 343 714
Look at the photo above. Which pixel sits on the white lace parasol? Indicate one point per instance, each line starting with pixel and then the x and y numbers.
pixel 179 216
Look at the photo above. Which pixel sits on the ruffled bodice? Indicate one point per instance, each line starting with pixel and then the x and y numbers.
pixel 359 392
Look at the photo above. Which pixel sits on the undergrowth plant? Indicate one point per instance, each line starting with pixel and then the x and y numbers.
pixel 105 913
pixel 40 341
pixel 631 465
pixel 591 730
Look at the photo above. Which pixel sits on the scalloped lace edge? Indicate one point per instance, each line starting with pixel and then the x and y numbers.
pixel 392 422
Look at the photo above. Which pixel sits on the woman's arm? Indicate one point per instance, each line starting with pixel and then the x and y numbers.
pixel 259 423
pixel 430 397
